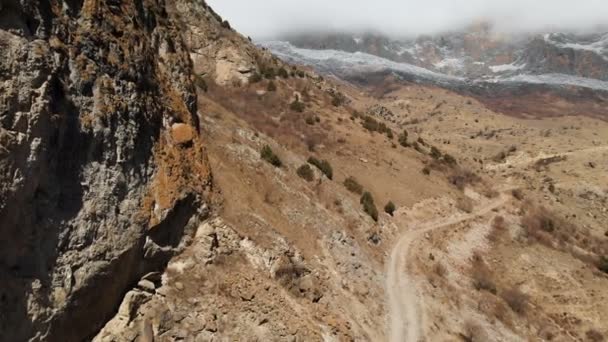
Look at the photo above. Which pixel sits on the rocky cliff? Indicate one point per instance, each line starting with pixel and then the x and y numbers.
pixel 102 168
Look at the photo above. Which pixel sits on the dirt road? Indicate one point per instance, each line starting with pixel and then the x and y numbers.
pixel 405 305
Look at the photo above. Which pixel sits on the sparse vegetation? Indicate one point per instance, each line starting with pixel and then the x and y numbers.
pixel 200 83
pixel 323 166
pixel 448 159
pixel 473 332
pixel 353 186
pixel 271 86
pixel 336 101
pixel 518 194
pixel 461 178
pixel 403 139
pixel 255 78
pixel 374 125
pixel 305 172
pixel 268 155
pixel 310 120
pixel 482 276
pixel 283 73
pixel 499 228
pixel 390 208
pixel 465 204
pixel 435 153
pixel 517 300
pixel 297 105
pixel 368 205
pixel 594 336
pixel 269 73
pixel 603 264
pixel 426 170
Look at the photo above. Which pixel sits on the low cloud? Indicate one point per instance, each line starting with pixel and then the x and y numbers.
pixel 271 18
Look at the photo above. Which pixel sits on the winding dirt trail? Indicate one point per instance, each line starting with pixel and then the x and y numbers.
pixel 405 308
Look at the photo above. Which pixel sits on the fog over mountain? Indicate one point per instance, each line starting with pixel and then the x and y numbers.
pixel 270 18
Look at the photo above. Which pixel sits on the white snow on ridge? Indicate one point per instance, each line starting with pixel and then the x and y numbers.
pixel 349 62
pixel 600 46
pixel 558 80
pixel 341 62
pixel 452 63
pixel 506 67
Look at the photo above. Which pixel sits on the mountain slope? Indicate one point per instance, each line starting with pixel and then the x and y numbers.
pixel 102 168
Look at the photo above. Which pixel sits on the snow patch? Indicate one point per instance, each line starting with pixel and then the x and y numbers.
pixel 506 67
pixel 450 63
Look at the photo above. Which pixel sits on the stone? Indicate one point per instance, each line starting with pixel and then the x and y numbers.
pixel 155 277
pixel 182 133
pixel 146 285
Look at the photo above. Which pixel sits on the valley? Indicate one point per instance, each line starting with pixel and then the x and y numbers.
pixel 197 186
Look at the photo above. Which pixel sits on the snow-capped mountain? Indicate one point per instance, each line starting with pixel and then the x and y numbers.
pixel 474 56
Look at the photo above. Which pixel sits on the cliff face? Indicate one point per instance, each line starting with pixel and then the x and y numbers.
pixel 102 169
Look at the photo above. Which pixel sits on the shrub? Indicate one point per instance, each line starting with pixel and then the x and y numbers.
pixel 268 155
pixel 353 186
pixel 336 102
pixel 310 120
pixel 403 139
pixel 499 228
pixel 283 73
pixel 323 166
pixel 465 204
pixel 271 86
pixel 518 194
pixel 448 159
pixel 473 332
pixel 461 178
pixel 226 24
pixel 269 73
pixel 389 134
pixel 255 78
pixel 482 276
pixel 301 73
pixel 297 106
pixel 603 264
pixel 368 205
pixel 370 124
pixel 517 300
pixel 390 208
pixel 426 170
pixel 435 153
pixel 539 219
pixel 594 336
pixel 305 172
pixel 482 280
pixel 200 82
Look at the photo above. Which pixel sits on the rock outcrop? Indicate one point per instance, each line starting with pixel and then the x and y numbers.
pixel 97 186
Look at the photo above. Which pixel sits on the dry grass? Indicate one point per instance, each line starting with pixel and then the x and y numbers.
pixel 482 275
pixel 461 178
pixel 474 332
pixel 498 230
pixel 594 336
pixel 517 300
pixel 465 204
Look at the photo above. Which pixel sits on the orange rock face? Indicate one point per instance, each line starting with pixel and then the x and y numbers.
pixel 182 133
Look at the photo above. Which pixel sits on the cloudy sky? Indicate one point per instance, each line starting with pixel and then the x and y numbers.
pixel 264 19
